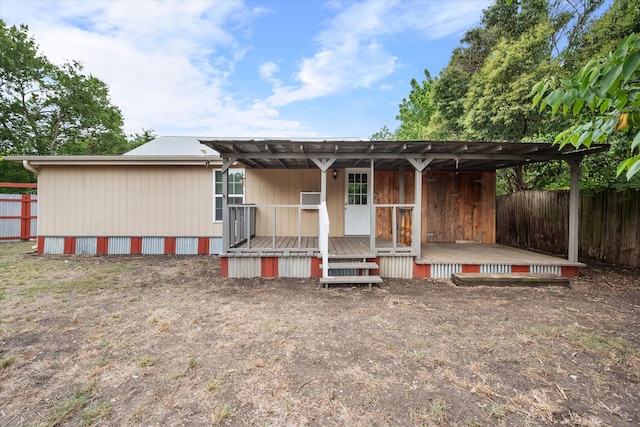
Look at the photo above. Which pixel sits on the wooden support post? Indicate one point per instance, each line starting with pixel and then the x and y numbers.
pixel 574 210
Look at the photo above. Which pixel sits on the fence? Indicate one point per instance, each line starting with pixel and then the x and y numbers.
pixel 609 223
pixel 18 213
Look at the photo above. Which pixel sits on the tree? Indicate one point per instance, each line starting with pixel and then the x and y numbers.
pixel 496 106
pixel 610 88
pixel 47 109
pixel 416 110
pixel 383 134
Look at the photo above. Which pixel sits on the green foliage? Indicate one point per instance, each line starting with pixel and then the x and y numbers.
pixel 416 110
pixel 496 105
pixel 610 88
pixel 484 91
pixel 619 21
pixel 383 134
pixel 47 109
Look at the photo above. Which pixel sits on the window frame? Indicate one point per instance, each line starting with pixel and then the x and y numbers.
pixel 218 196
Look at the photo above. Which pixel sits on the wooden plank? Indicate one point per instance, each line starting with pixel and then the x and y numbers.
pixel 350 279
pixel 352 265
pixel 511 279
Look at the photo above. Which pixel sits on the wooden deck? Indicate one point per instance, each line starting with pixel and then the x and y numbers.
pixel 432 253
pixel 476 253
pixel 338 247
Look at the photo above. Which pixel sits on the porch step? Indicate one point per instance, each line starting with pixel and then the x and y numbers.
pixel 345 280
pixel 352 266
pixel 509 279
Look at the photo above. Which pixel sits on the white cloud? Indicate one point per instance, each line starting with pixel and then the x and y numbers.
pixel 351 53
pixel 167 63
pixel 267 71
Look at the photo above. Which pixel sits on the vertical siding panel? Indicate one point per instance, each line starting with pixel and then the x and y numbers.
pixel 152 245
pixel 54 245
pixel 119 246
pixel 215 245
pixel 399 267
pixel 298 267
pixel 86 245
pixel 244 267
pixel 186 246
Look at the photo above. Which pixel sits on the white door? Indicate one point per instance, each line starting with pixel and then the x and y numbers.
pixel 357 199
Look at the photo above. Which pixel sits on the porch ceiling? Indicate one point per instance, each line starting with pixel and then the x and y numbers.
pixel 444 155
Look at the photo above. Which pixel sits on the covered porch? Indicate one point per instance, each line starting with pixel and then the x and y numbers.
pixel 399 236
pixel 438 260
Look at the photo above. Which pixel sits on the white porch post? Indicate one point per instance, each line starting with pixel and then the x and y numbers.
pixel 416 221
pixel 401 195
pixel 226 243
pixel 226 238
pixel 323 186
pixel 372 210
pixel 323 165
pixel 574 210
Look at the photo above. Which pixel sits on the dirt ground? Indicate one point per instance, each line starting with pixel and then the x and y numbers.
pixel 164 340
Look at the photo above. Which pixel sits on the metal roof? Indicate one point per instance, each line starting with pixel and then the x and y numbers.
pixel 443 155
pixel 117 160
pixel 172 146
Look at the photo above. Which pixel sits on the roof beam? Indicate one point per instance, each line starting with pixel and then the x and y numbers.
pixel 323 164
pixel 419 164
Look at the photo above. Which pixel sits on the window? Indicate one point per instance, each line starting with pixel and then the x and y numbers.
pixel 357 189
pixel 236 191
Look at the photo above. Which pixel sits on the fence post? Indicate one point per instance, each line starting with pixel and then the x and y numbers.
pixel 25 217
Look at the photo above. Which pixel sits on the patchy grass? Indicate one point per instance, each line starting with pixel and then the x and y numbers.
pixel 68 407
pixel 7 361
pixel 163 340
pixel 220 414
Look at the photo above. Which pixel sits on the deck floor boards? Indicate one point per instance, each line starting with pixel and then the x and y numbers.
pixel 431 253
pixel 476 253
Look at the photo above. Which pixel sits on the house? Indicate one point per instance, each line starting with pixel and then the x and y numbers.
pixel 296 207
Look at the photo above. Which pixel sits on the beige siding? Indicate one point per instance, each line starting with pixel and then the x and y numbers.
pixel 126 201
pixel 283 187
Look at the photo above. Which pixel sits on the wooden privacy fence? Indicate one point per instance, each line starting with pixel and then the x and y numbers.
pixel 609 223
pixel 18 213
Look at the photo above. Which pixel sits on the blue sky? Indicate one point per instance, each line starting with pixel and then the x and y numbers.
pixel 228 68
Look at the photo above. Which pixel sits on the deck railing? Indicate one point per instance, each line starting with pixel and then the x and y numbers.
pixel 242 223
pixel 239 235
pixel 401 226
pixel 243 220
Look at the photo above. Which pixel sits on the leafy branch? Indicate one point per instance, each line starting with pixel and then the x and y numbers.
pixel 610 88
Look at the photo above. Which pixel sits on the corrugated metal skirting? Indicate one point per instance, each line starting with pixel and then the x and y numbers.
pixel 495 268
pixel 547 269
pixel 444 271
pixel 244 267
pixel 86 245
pixel 153 245
pixel 186 246
pixel 54 245
pixel 294 267
pixel 215 245
pixel 119 246
pixel 396 267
